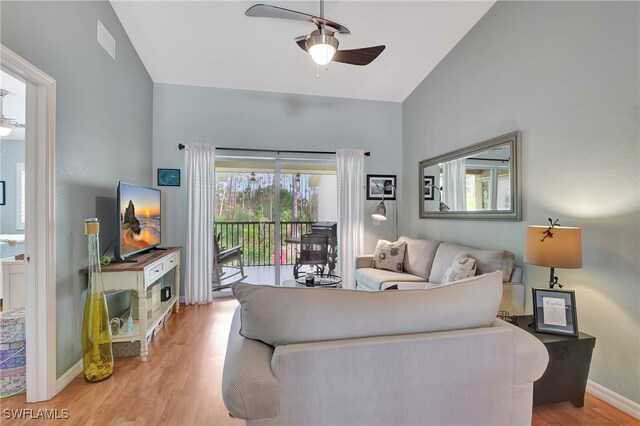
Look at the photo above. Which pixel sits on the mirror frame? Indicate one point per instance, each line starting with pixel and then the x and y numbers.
pixel 513 140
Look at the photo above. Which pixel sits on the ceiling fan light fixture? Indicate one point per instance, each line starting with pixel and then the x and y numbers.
pixel 322 45
pixel 6 126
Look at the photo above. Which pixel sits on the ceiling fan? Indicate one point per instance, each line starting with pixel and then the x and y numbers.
pixel 6 124
pixel 321 43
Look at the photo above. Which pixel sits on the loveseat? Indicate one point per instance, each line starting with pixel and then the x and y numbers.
pixel 425 262
pixel 299 356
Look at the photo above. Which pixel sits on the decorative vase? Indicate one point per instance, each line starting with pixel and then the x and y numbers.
pixel 97 360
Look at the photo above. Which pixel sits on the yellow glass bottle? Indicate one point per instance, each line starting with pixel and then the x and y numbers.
pixel 97 361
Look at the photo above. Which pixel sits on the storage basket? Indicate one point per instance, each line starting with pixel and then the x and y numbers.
pixel 13 355
pixel 122 349
pixel 13 381
pixel 12 326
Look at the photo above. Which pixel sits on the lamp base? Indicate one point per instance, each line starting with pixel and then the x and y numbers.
pixel 553 280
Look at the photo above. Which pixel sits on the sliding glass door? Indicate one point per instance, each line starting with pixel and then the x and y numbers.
pixel 265 202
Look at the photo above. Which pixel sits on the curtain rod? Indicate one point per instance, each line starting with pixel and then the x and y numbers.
pixel 490 159
pixel 277 151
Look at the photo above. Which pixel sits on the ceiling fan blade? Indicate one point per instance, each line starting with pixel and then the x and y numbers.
pixel 302 42
pixel 267 11
pixel 363 56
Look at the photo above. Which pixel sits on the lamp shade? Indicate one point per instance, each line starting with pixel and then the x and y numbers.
pixel 563 250
pixel 381 212
pixel 322 45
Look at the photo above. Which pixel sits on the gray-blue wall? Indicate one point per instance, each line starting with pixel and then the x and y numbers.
pixel 567 75
pixel 249 119
pixel 12 154
pixel 103 132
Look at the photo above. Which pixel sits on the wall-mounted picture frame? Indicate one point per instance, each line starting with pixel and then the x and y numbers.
pixel 381 187
pixel 3 193
pixel 428 188
pixel 554 312
pixel 168 177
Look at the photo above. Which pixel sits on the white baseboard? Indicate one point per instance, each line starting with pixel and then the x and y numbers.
pixel 68 376
pixel 614 399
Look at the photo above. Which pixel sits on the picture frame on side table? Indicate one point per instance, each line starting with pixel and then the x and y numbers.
pixel 168 177
pixel 554 312
pixel 381 187
pixel 428 188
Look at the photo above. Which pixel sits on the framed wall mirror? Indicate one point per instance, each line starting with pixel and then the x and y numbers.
pixel 480 181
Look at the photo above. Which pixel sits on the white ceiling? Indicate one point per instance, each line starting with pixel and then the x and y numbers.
pixel 212 43
pixel 14 103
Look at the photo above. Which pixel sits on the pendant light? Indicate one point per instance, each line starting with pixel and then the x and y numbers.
pixel 6 124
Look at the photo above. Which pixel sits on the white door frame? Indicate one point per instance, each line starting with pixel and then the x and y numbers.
pixel 40 250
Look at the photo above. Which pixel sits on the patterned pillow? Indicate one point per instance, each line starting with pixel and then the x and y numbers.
pixel 389 256
pixel 463 266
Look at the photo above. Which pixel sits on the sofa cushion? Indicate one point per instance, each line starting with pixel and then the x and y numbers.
pixel 419 255
pixel 486 261
pixel 463 266
pixel 289 315
pixel 372 279
pixel 389 256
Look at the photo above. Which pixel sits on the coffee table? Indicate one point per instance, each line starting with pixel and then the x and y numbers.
pixel 323 281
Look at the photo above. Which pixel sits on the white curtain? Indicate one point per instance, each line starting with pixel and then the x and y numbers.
pixel 351 193
pixel 200 167
pixel 454 187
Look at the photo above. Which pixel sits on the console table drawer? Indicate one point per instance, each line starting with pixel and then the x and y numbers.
pixel 153 272
pixel 172 261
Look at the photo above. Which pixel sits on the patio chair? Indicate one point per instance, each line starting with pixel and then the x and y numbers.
pixel 222 270
pixel 313 251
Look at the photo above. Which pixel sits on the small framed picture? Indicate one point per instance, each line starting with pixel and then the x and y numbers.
pixel 3 194
pixel 381 187
pixel 554 312
pixel 428 187
pixel 168 177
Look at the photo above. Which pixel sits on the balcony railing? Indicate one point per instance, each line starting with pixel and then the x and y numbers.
pixel 258 239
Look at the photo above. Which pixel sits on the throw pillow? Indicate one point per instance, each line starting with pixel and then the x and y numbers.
pixel 463 266
pixel 389 256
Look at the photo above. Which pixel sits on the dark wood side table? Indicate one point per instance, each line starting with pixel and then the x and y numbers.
pixel 565 378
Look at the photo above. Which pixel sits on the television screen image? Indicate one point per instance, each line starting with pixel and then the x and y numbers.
pixel 139 210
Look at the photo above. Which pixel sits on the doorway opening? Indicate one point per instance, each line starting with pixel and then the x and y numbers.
pixel 12 234
pixel 32 201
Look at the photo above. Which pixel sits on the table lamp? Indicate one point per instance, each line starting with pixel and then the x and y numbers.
pixel 555 247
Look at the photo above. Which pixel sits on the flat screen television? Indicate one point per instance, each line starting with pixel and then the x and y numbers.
pixel 139 219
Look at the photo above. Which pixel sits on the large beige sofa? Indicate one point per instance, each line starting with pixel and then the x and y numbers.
pixel 313 356
pixel 426 261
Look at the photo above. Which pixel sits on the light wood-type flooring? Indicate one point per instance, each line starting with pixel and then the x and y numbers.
pixel 180 383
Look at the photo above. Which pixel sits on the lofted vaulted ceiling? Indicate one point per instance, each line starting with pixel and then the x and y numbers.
pixel 213 44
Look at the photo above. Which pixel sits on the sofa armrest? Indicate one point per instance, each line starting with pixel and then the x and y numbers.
pixel 530 357
pixel 516 275
pixel 364 261
pixel 249 388
pixel 513 298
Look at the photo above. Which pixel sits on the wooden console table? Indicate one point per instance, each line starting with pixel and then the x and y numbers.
pixel 139 275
